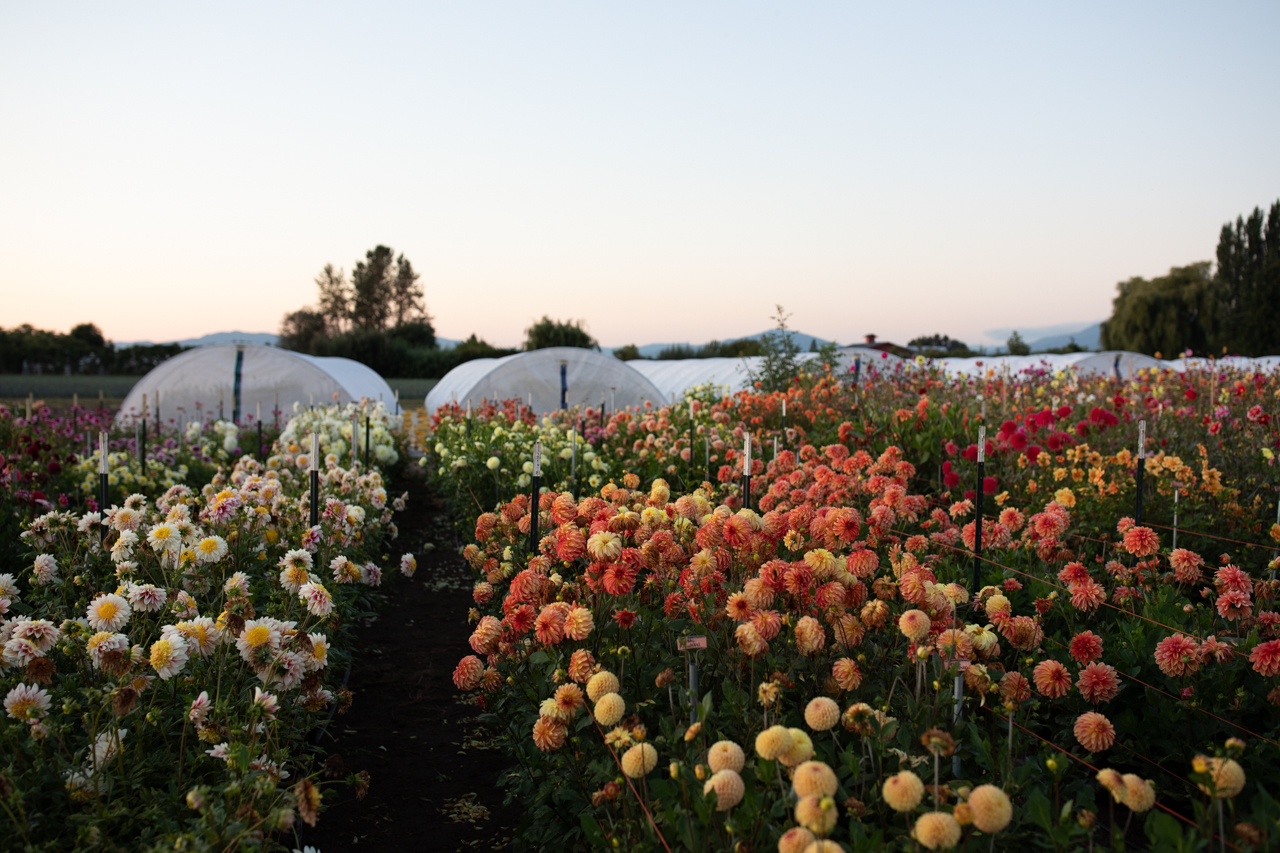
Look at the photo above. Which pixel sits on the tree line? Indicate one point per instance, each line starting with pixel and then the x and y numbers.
pixel 1228 310
pixel 84 350
pixel 378 316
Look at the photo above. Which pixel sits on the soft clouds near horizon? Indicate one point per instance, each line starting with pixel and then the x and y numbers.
pixel 663 171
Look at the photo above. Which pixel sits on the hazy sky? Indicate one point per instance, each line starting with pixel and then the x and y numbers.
pixel 665 171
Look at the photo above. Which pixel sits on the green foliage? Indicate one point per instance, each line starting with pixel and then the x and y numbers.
pixel 84 350
pixel 1229 311
pixel 780 364
pixel 1016 345
pixel 1249 283
pixel 630 352
pixel 1168 315
pixel 547 333
pixel 716 349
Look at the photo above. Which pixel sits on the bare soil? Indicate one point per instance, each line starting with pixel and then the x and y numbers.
pixel 433 768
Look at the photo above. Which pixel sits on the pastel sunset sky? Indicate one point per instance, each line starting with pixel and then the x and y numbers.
pixel 665 171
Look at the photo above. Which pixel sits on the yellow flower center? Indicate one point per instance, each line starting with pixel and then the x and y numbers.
pixel 257 635
pixel 161 653
pixel 107 611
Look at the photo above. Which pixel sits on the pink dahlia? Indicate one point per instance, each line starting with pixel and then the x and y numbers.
pixel 1098 683
pixel 1177 655
pixel 1094 731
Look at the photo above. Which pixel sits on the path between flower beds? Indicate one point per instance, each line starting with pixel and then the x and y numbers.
pixel 432 774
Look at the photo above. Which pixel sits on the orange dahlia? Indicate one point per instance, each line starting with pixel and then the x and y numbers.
pixel 1052 679
pixel 1141 541
pixel 1098 683
pixel 1177 656
pixel 1094 731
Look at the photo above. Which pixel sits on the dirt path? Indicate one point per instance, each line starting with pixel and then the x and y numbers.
pixel 432 774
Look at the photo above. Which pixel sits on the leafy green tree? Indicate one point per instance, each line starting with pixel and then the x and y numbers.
pixel 1016 345
pixel 1168 315
pixel 302 330
pixel 558 333
pixel 630 352
pixel 1248 283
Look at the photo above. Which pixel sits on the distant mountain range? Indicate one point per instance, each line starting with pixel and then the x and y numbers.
pixel 1090 338
pixel 264 338
pixel 1087 338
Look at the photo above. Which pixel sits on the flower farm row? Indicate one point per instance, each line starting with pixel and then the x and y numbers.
pixel 815 645
pixel 163 658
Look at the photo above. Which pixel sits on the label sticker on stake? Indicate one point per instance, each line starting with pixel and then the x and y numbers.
pixel 686 644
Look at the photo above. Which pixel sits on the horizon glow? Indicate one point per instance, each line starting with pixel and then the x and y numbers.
pixel 666 173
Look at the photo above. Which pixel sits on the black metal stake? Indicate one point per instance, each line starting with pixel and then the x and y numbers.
pixel 262 450
pixel 533 497
pixel 315 480
pixel 366 442
pixel 102 484
pixel 1141 472
pixel 142 448
pixel 977 524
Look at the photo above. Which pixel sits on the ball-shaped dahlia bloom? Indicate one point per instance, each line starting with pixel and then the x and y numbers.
pixel 1228 777
pixel 601 683
pixel 817 814
pixel 903 791
pixel 1140 794
pixel 1113 782
pixel 1094 731
pixel 937 831
pixel 914 625
pixel 990 808
pixel 824 845
pixel 814 778
pixel 725 754
pixel 609 709
pixel 801 748
pixel 821 714
pixel 795 840
pixel 639 760
pixel 773 742
pixel 728 787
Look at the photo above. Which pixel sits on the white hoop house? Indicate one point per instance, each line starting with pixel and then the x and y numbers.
pixel 1114 363
pixel 236 379
pixel 589 378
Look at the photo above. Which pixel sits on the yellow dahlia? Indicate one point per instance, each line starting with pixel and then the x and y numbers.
pixel 990 808
pixel 773 742
pixel 801 748
pixel 1140 794
pixel 903 791
pixel 725 754
pixel 601 683
pixel 817 814
pixel 728 787
pixel 609 708
pixel 814 779
pixel 795 840
pixel 639 760
pixel 937 831
pixel 821 714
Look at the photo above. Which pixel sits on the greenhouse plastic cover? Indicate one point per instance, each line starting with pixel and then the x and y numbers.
pixel 591 378
pixel 200 375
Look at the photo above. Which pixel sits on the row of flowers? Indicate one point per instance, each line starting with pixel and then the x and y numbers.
pixel 846 603
pixel 163 660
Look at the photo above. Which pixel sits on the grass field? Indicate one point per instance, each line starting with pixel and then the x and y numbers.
pixel 413 392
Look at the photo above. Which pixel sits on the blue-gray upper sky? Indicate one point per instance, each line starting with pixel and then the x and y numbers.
pixel 664 171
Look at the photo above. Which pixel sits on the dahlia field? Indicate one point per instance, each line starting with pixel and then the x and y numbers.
pixel 910 611
pixel 164 657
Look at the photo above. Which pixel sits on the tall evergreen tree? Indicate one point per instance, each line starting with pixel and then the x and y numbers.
pixel 372 286
pixel 1249 283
